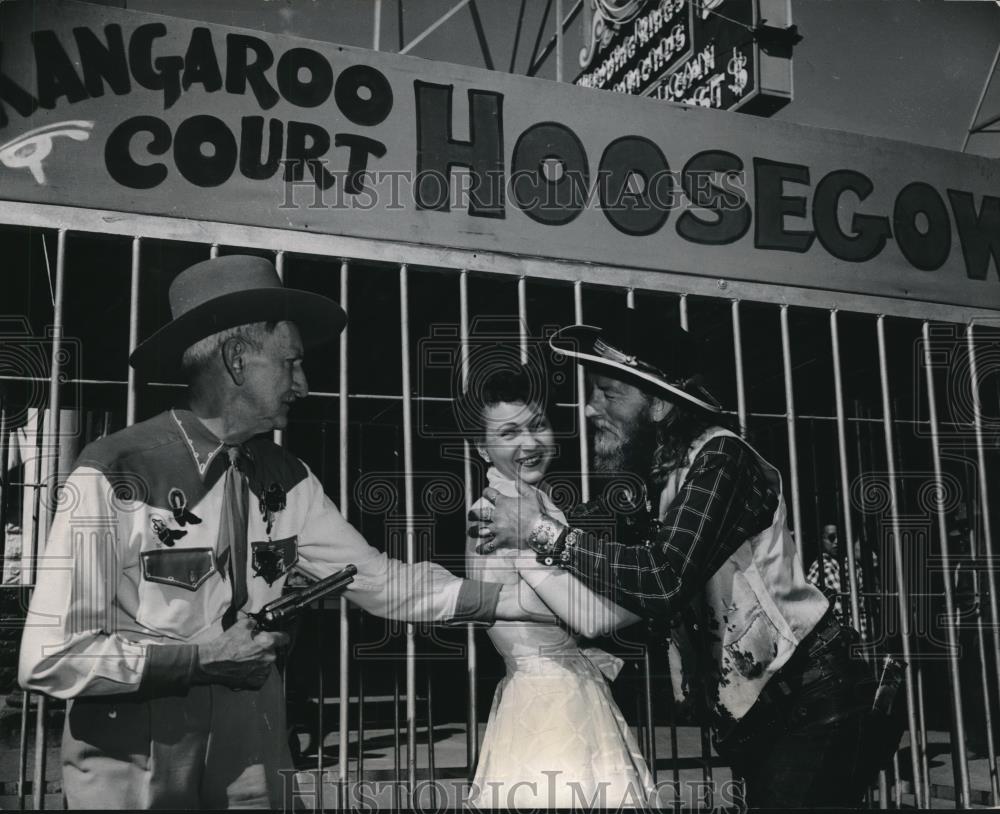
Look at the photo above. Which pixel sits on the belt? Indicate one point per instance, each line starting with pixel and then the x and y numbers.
pixel 824 645
pixel 824 648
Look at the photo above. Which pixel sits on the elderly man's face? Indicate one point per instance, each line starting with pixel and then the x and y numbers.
pixel 619 415
pixel 274 378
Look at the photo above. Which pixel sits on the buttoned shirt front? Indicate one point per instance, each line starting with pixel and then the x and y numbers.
pixel 132 559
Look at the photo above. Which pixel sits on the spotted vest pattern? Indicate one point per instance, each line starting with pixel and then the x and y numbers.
pixel 753 613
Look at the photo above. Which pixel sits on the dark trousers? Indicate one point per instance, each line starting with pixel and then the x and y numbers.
pixel 804 744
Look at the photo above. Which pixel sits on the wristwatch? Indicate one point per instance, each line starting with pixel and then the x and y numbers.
pixel 551 540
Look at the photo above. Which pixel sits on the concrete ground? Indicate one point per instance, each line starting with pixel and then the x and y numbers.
pixel 451 774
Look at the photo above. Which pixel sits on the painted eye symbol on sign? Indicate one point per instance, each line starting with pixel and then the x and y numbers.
pixel 32 148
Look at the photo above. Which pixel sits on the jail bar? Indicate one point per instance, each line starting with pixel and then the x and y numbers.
pixel 793 455
pixel 741 395
pixel 320 731
pixel 647 660
pixel 472 713
pixel 278 436
pixel 22 757
pixel 133 331
pixel 922 742
pixel 360 760
pixel 741 410
pixel 4 498
pixel 559 41
pixel 522 317
pixel 343 731
pixel 581 400
pixel 408 509
pixel 44 518
pixel 395 737
pixel 958 745
pixel 706 735
pixel 987 549
pixel 675 766
pixel 897 546
pixel 898 784
pixel 647 685
pixel 430 740
pixel 28 575
pixel 4 479
pixel 51 433
pixel 985 679
pixel 984 504
pixel 848 537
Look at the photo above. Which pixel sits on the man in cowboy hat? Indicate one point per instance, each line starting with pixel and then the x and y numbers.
pixel 692 525
pixel 170 532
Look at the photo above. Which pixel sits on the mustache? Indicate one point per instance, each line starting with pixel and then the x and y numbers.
pixel 600 426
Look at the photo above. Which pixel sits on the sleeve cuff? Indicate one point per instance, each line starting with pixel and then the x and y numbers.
pixel 169 669
pixel 477 602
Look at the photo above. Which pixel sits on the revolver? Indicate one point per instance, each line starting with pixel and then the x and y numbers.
pixel 285 608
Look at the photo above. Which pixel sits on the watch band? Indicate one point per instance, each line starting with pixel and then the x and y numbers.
pixel 544 537
pixel 552 553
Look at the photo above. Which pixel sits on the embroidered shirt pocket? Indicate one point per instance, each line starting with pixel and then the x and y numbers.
pixel 186 568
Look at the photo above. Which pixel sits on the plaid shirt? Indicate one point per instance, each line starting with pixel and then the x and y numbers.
pixel 830 584
pixel 655 567
pixel 839 591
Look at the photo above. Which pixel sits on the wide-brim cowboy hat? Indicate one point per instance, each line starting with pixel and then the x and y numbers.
pixel 227 291
pixel 644 351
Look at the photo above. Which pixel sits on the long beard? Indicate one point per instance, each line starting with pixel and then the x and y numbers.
pixel 632 453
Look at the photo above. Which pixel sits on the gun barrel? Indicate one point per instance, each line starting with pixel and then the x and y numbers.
pixel 343 577
pixel 288 606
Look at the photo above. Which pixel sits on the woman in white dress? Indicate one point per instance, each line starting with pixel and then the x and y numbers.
pixel 555 737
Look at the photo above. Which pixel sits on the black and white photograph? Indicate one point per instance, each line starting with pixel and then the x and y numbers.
pixel 490 405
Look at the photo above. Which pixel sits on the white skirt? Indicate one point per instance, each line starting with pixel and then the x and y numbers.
pixel 556 739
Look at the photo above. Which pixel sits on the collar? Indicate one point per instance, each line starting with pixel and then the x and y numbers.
pixel 200 441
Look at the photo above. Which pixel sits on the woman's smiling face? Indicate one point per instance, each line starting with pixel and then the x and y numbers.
pixel 518 439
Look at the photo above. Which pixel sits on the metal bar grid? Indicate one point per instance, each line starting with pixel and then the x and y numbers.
pixel 409 507
pixel 961 757
pixel 133 328
pixel 793 455
pixel 344 665
pixel 472 713
pixel 919 776
pixel 838 384
pixel 344 397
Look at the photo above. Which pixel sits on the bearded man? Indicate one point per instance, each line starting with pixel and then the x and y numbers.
pixel 691 523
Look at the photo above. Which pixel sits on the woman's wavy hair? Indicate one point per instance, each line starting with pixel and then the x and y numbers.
pixel 520 383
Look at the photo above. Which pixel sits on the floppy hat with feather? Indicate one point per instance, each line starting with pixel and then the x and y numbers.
pixel 640 347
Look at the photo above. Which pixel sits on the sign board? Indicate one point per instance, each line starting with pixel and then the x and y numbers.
pixel 115 110
pixel 705 54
